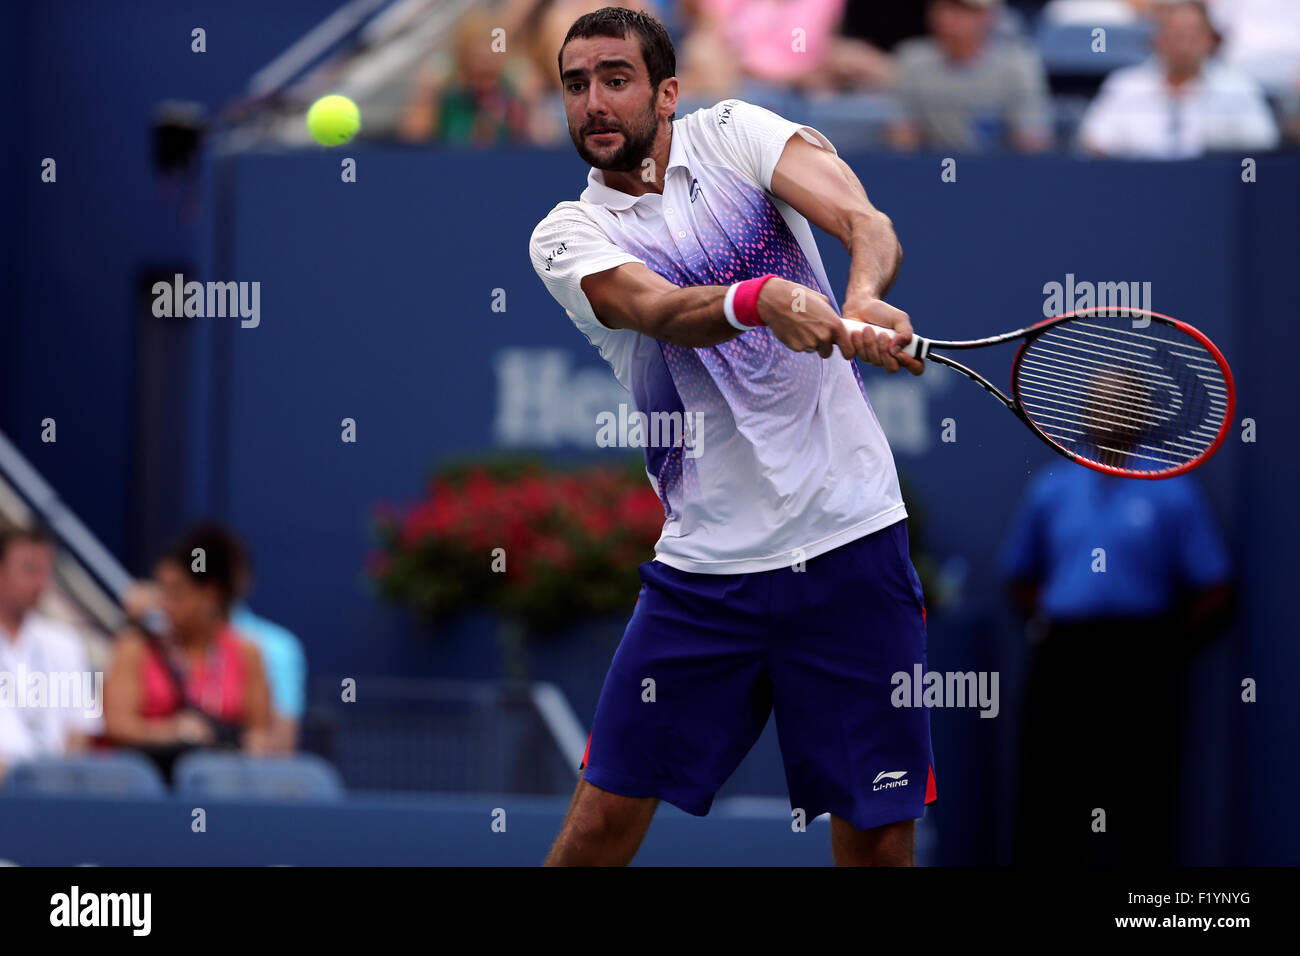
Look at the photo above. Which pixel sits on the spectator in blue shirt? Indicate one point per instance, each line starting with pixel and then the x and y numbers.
pixel 1122 580
pixel 286 672
pixel 283 658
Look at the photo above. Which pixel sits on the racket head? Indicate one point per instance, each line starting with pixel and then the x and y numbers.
pixel 1126 392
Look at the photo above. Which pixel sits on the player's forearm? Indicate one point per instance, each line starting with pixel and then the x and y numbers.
pixel 875 256
pixel 691 317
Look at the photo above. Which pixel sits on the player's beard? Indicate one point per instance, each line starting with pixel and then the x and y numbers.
pixel 638 143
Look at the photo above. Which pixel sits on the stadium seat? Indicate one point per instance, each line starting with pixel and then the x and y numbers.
pixel 105 775
pixel 1066 48
pixel 300 777
pixel 854 120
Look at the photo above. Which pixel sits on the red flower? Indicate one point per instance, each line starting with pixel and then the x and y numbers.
pixel 551 524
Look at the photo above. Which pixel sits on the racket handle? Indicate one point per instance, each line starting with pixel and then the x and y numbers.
pixel 916 348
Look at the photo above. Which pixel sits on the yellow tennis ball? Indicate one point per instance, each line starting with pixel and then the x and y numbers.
pixel 333 120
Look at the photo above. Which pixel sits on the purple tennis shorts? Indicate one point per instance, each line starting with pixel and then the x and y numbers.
pixel 707 657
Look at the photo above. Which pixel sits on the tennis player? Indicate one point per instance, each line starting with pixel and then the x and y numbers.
pixel 781 582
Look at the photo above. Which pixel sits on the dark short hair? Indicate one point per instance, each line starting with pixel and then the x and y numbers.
pixel 656 46
pixel 33 535
pixel 224 559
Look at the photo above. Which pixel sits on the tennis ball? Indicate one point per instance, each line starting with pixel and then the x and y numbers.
pixel 333 120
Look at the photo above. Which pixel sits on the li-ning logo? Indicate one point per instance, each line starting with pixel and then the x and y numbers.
pixel 695 189
pixel 726 115
pixel 558 252
pixel 892 778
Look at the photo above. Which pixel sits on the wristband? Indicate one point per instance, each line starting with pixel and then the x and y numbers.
pixel 740 305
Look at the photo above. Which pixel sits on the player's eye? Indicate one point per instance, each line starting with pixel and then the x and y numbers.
pixel 575 87
pixel 618 82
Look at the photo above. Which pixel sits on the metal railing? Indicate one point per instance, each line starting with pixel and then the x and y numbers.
pixel 447 736
pixel 87 574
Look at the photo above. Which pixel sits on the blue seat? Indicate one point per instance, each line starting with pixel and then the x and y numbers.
pixel 122 774
pixel 299 777
pixel 854 120
pixel 1066 48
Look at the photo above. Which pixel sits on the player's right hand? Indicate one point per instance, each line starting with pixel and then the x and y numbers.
pixel 802 318
pixel 874 347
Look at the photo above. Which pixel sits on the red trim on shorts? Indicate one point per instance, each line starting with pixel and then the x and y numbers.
pixel 585 754
pixel 931 792
pixel 923 615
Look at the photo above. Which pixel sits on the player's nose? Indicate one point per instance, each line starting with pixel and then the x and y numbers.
pixel 597 108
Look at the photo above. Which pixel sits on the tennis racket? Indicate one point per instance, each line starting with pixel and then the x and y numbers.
pixel 1124 391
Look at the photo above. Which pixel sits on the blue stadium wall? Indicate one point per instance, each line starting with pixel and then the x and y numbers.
pixel 376 305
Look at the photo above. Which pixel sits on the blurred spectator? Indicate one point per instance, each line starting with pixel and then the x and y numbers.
pixel 1124 579
pixel 1181 103
pixel 282 656
pixel 707 65
pixel 1098 12
pixel 1261 38
pixel 959 91
pixel 481 97
pixel 784 43
pixel 35 648
pixel 547 22
pixel 861 56
pixel 181 676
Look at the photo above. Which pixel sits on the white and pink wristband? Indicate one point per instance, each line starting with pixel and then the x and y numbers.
pixel 740 305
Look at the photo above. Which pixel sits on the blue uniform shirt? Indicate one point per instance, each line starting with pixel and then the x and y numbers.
pixel 1158 537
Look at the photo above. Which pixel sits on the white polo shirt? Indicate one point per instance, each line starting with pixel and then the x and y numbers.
pixel 789 460
pixel 1135 115
pixel 38 713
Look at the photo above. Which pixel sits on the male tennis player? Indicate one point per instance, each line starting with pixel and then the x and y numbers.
pixel 782 580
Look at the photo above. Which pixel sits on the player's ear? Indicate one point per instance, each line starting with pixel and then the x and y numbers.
pixel 666 101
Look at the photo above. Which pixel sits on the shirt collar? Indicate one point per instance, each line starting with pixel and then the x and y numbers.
pixel 601 195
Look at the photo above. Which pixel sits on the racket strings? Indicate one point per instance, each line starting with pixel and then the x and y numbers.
pixel 1143 399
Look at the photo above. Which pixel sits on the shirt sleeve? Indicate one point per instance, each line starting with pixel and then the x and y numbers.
pixel 69 655
pixel 749 139
pixel 1030 106
pixel 1024 556
pixel 565 248
pixel 1202 559
pixel 16 742
pixel 909 88
pixel 1252 121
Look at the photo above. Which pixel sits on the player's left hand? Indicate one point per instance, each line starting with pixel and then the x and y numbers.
pixel 874 348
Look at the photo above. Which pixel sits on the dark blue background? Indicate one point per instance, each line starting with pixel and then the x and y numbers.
pixel 376 305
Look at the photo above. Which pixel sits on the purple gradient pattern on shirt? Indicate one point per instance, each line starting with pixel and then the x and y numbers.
pixel 736 233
